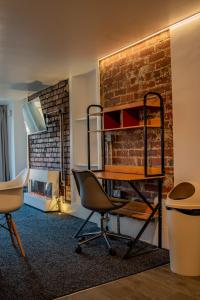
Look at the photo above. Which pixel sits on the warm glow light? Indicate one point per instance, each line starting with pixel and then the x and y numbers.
pixel 184 21
pixel 135 43
pixel 172 26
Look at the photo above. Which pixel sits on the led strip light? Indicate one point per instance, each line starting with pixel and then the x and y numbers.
pixel 181 22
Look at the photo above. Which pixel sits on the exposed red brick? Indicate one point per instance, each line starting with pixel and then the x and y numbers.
pixel 44 149
pixel 126 77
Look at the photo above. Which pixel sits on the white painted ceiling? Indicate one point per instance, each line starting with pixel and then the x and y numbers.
pixel 47 40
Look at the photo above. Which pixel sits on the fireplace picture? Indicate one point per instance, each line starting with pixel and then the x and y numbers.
pixel 43 190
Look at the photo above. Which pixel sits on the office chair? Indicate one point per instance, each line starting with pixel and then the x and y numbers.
pixel 94 198
pixel 11 199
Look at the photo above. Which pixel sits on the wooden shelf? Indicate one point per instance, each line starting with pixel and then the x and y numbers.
pixel 85 118
pixel 127 116
pixel 128 173
pixel 130 169
pixel 124 128
pixel 151 103
pixel 125 176
pixel 97 114
pixel 135 209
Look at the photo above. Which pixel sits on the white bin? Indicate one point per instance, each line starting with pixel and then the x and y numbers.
pixel 183 217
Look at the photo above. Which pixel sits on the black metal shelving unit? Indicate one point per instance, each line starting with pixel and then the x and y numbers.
pixel 158 177
pixel 161 135
pixel 145 135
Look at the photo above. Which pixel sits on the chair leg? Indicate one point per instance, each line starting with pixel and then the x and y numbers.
pixel 104 233
pixel 119 236
pixel 83 225
pixel 10 229
pixel 106 240
pixel 14 229
pixel 90 239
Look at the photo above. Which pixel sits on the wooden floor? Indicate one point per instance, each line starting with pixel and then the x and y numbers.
pixel 155 284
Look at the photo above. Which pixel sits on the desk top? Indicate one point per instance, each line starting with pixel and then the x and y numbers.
pixel 123 176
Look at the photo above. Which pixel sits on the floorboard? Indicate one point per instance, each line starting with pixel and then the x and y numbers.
pixel 155 284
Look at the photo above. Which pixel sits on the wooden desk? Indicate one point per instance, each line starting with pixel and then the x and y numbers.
pixel 124 176
pixel 131 178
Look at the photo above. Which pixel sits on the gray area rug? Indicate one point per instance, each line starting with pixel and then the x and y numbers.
pixel 51 268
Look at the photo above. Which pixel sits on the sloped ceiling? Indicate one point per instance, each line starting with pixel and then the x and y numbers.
pixel 44 41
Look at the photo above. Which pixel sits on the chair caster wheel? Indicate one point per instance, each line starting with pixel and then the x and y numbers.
pixel 112 252
pixel 81 239
pixel 78 249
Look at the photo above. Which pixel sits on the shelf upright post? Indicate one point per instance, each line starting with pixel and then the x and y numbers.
pixel 145 137
pixel 161 135
pixel 162 141
pixel 102 144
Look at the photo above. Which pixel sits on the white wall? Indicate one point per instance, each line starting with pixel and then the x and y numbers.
pixel 17 138
pixel 11 147
pixel 83 92
pixel 11 155
pixel 185 53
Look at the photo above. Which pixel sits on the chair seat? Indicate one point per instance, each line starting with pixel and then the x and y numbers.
pixel 115 203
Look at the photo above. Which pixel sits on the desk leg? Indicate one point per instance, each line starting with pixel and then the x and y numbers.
pixel 133 243
pixel 160 213
pixel 158 208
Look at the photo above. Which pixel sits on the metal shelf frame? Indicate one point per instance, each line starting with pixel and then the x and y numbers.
pixel 145 135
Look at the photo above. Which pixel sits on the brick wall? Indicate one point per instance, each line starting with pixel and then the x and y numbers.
pixel 44 148
pixel 126 77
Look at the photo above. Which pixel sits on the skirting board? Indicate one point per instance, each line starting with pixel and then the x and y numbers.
pixel 41 203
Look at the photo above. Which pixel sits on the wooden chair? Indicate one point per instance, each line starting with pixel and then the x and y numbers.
pixel 11 199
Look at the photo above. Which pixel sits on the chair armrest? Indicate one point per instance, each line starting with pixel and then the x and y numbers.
pixel 8 185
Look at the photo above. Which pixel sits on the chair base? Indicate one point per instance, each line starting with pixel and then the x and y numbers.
pixel 13 233
pixel 103 233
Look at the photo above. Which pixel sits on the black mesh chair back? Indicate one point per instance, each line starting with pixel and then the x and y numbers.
pixel 91 192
